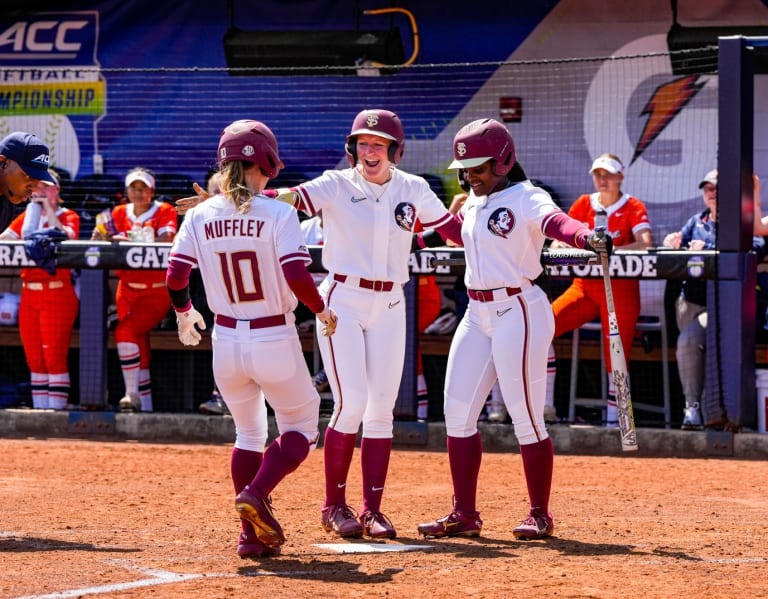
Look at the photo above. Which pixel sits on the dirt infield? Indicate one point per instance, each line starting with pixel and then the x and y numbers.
pixel 118 519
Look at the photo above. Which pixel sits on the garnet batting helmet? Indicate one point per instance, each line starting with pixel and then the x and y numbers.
pixel 383 123
pixel 483 140
pixel 250 141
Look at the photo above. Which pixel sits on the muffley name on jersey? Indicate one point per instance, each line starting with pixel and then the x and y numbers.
pixel 234 227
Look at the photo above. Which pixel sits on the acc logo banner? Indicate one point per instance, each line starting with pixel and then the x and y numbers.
pixel 49 65
pixel 52 39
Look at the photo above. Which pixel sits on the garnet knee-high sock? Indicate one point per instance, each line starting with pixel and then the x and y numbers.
pixel 464 456
pixel 243 466
pixel 538 463
pixel 374 458
pixel 338 449
pixel 282 457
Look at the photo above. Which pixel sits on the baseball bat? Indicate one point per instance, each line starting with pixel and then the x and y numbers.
pixel 618 361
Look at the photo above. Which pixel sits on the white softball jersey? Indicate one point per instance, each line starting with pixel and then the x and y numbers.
pixel 368 227
pixel 240 255
pixel 503 237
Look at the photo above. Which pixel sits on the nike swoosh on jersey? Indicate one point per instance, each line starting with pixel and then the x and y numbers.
pixel 355 200
pixel 377 489
pixel 393 304
pixel 502 312
pixel 341 485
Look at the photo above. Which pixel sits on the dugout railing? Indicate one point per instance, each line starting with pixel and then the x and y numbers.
pixel 96 259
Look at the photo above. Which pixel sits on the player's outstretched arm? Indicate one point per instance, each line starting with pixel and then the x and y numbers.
pixel 439 236
pixel 567 230
pixel 183 205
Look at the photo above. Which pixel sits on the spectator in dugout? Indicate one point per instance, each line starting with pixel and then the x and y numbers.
pixel 695 367
pixel 584 300
pixel 141 299
pixel 49 302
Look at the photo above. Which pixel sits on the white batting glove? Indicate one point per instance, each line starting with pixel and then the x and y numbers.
pixel 186 322
pixel 329 319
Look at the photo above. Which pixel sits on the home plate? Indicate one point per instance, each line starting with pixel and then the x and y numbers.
pixel 369 547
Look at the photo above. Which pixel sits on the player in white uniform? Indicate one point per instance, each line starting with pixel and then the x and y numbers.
pixel 252 260
pixel 508 326
pixel 369 212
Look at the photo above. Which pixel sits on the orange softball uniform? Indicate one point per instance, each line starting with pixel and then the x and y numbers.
pixel 141 298
pixel 584 300
pixel 48 307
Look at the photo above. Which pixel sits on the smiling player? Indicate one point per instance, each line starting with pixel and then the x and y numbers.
pixel 369 211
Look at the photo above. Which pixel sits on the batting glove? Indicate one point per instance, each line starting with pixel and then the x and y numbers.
pixel 186 322
pixel 600 243
pixel 329 319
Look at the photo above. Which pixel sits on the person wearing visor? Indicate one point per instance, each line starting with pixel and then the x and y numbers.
pixel 141 299
pixel 584 299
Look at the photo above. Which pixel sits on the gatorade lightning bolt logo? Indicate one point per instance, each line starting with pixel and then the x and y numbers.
pixel 666 102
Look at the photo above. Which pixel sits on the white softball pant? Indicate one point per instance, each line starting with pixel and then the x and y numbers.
pixel 364 358
pixel 249 364
pixel 507 339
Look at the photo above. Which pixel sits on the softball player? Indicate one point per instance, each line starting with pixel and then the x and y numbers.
pixel 369 211
pixel 141 299
pixel 584 300
pixel 49 304
pixel 507 328
pixel 252 259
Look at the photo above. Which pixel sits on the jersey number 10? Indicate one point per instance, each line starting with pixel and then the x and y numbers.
pixel 239 269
